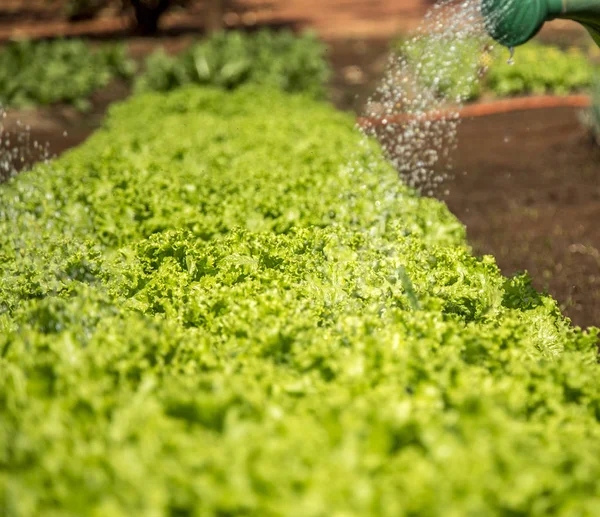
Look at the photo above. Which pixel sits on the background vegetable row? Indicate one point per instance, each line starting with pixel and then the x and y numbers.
pixel 293 63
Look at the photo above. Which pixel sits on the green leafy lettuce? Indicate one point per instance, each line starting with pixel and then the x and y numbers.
pixel 227 304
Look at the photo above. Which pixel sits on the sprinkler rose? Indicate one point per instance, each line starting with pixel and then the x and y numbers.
pixel 514 22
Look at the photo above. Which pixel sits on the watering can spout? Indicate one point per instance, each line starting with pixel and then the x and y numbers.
pixel 514 22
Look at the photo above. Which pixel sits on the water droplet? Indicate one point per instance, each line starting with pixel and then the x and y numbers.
pixel 511 59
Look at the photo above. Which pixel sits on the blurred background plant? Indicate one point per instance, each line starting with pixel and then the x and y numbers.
pixel 228 60
pixel 70 71
pixel 541 69
pixel 460 78
pixel 67 71
pixel 537 69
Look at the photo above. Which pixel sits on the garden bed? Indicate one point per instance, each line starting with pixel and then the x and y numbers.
pixel 225 303
pixel 214 306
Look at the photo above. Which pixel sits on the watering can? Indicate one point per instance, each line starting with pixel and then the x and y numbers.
pixel 514 22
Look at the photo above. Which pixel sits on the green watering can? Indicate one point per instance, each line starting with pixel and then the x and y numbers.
pixel 514 22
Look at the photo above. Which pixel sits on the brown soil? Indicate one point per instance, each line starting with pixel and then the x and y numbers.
pixel 332 19
pixel 527 188
pixel 55 128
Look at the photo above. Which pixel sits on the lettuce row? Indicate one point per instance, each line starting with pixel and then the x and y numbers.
pixel 227 304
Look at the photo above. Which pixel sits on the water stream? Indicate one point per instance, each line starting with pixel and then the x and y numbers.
pixel 414 112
